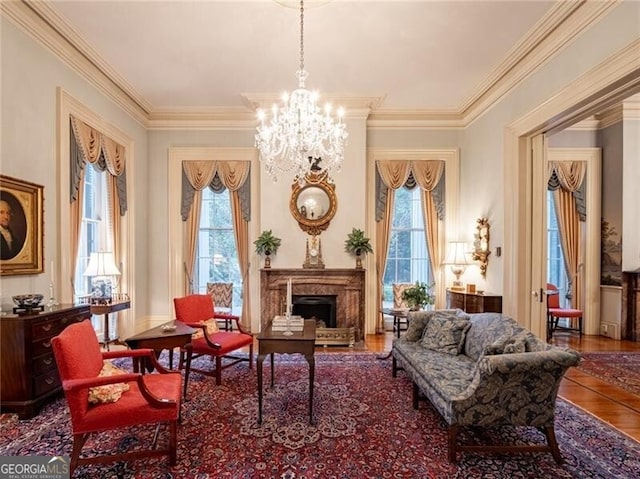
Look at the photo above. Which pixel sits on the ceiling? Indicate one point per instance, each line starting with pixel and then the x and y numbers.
pixel 205 54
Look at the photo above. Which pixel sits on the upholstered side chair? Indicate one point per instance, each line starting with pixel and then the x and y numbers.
pixel 197 311
pixel 555 313
pixel 140 399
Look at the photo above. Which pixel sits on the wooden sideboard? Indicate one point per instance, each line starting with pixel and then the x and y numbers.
pixel 28 371
pixel 474 302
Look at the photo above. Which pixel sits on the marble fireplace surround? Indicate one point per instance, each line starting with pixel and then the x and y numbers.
pixel 346 284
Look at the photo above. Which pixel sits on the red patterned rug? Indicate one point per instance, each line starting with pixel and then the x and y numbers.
pixel 365 428
pixel 621 369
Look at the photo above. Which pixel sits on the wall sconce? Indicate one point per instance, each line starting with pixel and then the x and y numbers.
pixel 457 259
pixel 481 250
pixel 102 267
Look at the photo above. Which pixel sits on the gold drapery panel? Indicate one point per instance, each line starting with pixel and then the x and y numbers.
pixel 383 233
pixel 241 230
pixel 394 174
pixel 191 239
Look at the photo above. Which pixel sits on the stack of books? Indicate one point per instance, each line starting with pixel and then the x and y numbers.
pixel 296 323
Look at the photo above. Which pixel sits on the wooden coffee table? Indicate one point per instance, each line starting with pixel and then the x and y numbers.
pixel 158 339
pixel 303 342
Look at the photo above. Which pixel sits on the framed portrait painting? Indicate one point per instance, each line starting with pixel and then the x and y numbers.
pixel 21 227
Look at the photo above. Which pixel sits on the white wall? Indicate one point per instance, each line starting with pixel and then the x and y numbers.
pixel 481 191
pixel 30 77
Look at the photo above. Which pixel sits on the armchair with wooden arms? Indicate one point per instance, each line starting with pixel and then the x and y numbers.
pixel 197 311
pixel 148 399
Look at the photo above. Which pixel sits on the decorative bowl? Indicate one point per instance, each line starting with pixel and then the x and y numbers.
pixel 27 300
pixel 168 328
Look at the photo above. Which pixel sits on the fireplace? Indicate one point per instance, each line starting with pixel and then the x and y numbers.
pixel 321 307
pixel 345 287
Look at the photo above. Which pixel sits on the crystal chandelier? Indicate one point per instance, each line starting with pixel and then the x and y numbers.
pixel 300 131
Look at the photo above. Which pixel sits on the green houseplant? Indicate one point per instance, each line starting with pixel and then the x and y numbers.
pixel 357 243
pixel 267 244
pixel 418 296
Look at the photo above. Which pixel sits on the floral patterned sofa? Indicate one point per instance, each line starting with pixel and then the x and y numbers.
pixel 483 370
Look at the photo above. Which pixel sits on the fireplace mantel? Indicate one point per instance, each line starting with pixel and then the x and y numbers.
pixel 346 284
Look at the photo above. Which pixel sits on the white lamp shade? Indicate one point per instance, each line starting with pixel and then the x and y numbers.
pixel 102 264
pixel 456 254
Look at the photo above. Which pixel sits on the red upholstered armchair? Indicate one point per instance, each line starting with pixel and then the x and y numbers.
pixel 150 399
pixel 195 310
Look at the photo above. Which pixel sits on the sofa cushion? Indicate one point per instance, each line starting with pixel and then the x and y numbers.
pixel 487 329
pixel 445 333
pixel 419 319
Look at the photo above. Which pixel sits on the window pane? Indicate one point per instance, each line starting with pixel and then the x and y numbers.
pixel 217 256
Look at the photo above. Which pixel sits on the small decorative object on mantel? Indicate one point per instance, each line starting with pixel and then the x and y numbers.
pixel 418 296
pixel 267 244
pixel 313 255
pixel 481 249
pixel 358 245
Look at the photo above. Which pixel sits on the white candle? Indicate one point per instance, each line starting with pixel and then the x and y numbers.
pixel 52 273
pixel 289 296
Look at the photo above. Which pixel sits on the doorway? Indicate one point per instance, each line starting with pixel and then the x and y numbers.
pixel 524 268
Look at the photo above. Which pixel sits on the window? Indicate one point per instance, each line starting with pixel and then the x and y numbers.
pixel 556 271
pixel 95 231
pixel 217 257
pixel 408 257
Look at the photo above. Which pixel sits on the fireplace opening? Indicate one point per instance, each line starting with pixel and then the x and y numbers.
pixel 321 307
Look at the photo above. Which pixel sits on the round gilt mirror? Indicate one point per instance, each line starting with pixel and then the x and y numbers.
pixel 313 204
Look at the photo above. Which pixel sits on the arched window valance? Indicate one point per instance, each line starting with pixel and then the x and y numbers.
pixel 394 174
pixel 217 175
pixel 569 176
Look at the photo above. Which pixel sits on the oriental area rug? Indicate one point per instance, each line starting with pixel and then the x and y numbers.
pixel 621 369
pixel 365 427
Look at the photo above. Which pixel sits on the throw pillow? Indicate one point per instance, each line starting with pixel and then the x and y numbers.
pixel 212 328
pixel 109 392
pixel 445 334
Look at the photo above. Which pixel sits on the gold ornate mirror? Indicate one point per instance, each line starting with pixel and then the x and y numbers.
pixel 313 204
pixel 481 249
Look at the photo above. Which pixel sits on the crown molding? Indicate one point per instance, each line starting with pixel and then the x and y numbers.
pixel 606 84
pixel 39 21
pixel 561 25
pixel 555 31
pixel 233 118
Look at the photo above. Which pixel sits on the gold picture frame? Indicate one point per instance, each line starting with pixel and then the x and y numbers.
pixel 21 227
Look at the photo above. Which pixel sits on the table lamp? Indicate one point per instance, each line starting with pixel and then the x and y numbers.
pixel 101 268
pixel 457 259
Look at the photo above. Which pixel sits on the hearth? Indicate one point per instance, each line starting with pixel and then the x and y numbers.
pixel 321 307
pixel 343 284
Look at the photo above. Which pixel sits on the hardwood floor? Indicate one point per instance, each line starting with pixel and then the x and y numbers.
pixel 611 404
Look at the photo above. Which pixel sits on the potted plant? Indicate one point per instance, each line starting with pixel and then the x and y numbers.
pixel 418 296
pixel 267 244
pixel 357 244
